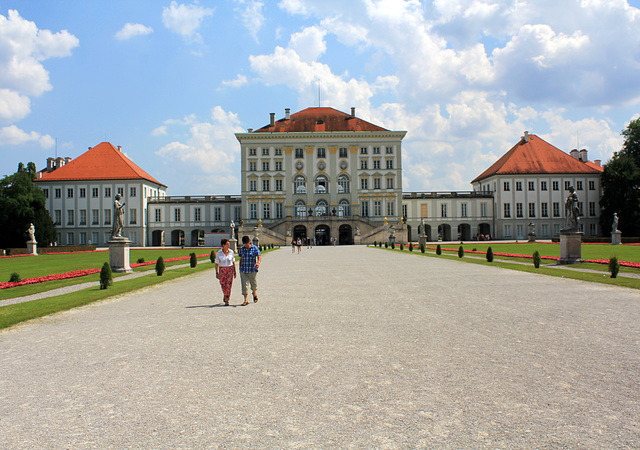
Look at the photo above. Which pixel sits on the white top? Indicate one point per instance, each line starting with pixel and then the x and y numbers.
pixel 223 260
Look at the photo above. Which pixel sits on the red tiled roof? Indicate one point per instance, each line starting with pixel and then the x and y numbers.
pixel 319 119
pixel 102 162
pixel 536 156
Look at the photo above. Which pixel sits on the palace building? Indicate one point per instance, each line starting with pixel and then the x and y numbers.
pixel 322 173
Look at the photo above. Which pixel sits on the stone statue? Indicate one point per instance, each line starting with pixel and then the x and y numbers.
pixel 288 231
pixel 232 225
pixel 32 233
pixel 614 226
pixel 357 230
pixel 118 217
pixel 572 210
pixel 422 228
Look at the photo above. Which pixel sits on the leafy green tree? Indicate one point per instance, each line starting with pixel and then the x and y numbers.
pixel 106 276
pixel 23 203
pixel 621 184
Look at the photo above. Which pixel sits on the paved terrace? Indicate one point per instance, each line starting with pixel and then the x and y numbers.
pixel 347 347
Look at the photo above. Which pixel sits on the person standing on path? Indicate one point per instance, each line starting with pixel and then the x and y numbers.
pixel 250 259
pixel 225 269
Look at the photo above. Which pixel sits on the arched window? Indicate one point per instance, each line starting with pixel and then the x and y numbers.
pixel 300 185
pixel 344 186
pixel 321 208
pixel 301 209
pixel 344 208
pixel 322 185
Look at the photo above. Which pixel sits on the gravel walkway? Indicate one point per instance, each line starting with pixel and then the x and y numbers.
pixel 347 347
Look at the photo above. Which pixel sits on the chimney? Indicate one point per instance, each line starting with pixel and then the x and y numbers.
pixel 50 164
pixel 67 160
pixel 272 122
pixel 353 112
pixel 575 153
pixel 59 162
pixel 119 148
pixel 597 162
pixel 249 130
pixel 287 113
pixel 583 155
pixel 526 136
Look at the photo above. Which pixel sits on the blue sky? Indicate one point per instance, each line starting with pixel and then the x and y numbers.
pixel 171 82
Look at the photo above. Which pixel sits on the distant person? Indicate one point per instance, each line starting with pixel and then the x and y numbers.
pixel 293 245
pixel 225 269
pixel 250 259
pixel 299 244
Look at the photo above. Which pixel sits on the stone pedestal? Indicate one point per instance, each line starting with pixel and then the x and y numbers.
pixel 570 247
pixel 616 237
pixel 532 237
pixel 233 245
pixel 119 255
pixel 422 240
pixel 32 247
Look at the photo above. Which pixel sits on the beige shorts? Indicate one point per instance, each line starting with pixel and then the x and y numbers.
pixel 247 279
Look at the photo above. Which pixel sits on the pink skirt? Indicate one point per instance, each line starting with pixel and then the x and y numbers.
pixel 226 280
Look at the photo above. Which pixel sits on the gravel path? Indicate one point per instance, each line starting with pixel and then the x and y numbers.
pixel 347 347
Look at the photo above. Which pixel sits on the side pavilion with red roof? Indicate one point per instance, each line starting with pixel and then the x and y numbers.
pixel 80 194
pixel 530 184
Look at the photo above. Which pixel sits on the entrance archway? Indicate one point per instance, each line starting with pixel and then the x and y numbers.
pixel 299 231
pixel 484 229
pixel 323 233
pixel 345 235
pixel 464 232
pixel 444 232
pixel 156 238
pixel 197 238
pixel 177 238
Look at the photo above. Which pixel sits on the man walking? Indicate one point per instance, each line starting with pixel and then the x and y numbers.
pixel 250 259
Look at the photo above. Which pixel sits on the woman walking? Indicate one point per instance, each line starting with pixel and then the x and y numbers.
pixel 225 269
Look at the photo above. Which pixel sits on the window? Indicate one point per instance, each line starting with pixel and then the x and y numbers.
pixel 83 217
pixel 176 215
pixel 343 152
pixel 46 193
pixel 443 210
pixel 265 185
pixel 391 208
pixel 158 215
pixel 107 217
pixel 322 153
pixel 265 166
pixel 567 185
pixel 506 186
pixel 423 210
pixel 556 229
pixel 376 163
pixel 94 192
pixel 483 209
pixel 363 151
pixel 364 184
pixel 532 185
pixel 132 192
pixel 253 211
pixel 58 193
pixel 278 165
pixel 376 150
pixel 389 163
pixel 279 210
pixel 278 152
pixel 376 183
pixel 299 153
pixel 544 210
pixel 70 238
pixel 364 206
pixel 83 192
pixel 57 214
pixel 593 230
pixel 83 238
pixel 343 184
pixel 507 231
pixel 344 208
pixel 592 185
pixel 578 185
pixel 301 209
pixel 463 210
pixel 252 152
pixel 545 230
pixel 363 164
pixel 555 186
pixel 300 185
pixel 322 185
pixel 389 183
pixel 265 211
pixel 507 210
pixel 236 213
pixel 592 208
pixel 70 193
pixel 133 216
pixel 107 192
pixel 543 185
pixel 321 208
pixel 253 185
pixel 518 185
pixel 121 191
pixel 518 209
pixel 70 217
pixel 278 185
pixel 95 217
pixel 265 152
pixel 404 211
pixel 253 166
pixel 197 214
pixel 532 209
pixel 377 208
pixel 217 214
pixel 389 150
pixel 556 209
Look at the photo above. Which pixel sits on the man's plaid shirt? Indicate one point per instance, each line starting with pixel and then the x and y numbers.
pixel 249 258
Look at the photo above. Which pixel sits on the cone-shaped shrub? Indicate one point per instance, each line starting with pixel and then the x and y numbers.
pixel 375 243
pixel 193 260
pixel 212 256
pixel 410 247
pixel 422 248
pixel 489 255
pixel 393 246
pixel 386 245
pixel 614 267
pixel 15 278
pixel 106 277
pixel 460 252
pixel 160 266
pixel 438 250
pixel 536 259
pixel 401 246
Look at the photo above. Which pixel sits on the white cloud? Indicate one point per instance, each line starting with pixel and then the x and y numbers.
pixel 12 135
pixel 239 81
pixel 131 30
pixel 293 6
pixel 185 19
pixel 251 15
pixel 159 131
pixel 309 43
pixel 13 106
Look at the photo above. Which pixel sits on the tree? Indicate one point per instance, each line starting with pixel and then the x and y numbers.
pixel 23 203
pixel 621 184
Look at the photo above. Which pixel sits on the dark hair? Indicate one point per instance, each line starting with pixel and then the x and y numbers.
pixel 224 241
pixel 245 239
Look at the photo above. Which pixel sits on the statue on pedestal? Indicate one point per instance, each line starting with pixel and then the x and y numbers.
pixel 32 233
pixel 572 210
pixel 232 225
pixel 118 217
pixel 614 225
